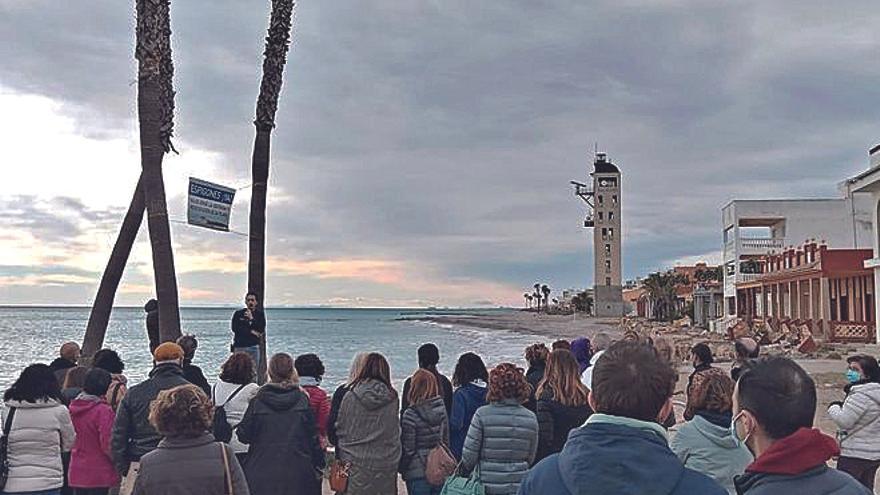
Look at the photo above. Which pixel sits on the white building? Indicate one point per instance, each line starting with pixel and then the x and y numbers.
pixel 869 182
pixel 754 228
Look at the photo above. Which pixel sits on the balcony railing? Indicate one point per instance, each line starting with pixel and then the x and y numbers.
pixel 747 277
pixel 761 245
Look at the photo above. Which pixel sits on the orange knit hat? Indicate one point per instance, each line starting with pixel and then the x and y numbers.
pixel 169 351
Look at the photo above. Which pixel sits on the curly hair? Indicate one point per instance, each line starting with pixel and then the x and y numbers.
pixel 536 354
pixel 183 411
pixel 238 369
pixel 309 365
pixel 470 367
pixel 507 381
pixel 711 390
pixel 108 359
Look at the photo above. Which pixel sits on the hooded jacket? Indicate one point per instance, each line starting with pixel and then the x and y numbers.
pixel 796 465
pixel 422 428
pixel 189 466
pixel 707 447
pixel 534 375
pixel 91 465
pixel 465 402
pixel 620 456
pixel 502 441
pixel 285 456
pixel 858 421
pixel 368 429
pixel 133 435
pixel 40 432
pixel 555 421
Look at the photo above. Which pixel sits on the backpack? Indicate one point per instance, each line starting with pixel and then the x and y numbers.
pixel 439 465
pixel 221 428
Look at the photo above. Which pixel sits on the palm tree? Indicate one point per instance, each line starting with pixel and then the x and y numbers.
pixel 99 317
pixel 155 101
pixel 538 295
pixel 274 59
pixel 661 290
pixel 546 291
pixel 529 299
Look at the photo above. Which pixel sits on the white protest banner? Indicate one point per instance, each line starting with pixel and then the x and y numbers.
pixel 209 205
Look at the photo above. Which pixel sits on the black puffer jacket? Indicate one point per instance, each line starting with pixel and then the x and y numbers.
pixel 422 428
pixel 555 421
pixel 285 456
pixel 133 436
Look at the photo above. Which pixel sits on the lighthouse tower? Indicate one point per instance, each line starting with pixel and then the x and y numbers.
pixel 604 199
pixel 608 290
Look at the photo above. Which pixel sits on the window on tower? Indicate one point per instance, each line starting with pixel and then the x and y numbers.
pixel 610 233
pixel 600 199
pixel 604 233
pixel 607 249
pixel 614 200
pixel 607 280
pixel 610 216
pixel 607 265
pixel 602 216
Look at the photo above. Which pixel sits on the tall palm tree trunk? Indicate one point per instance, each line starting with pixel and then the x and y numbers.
pixel 274 59
pixel 156 119
pixel 99 317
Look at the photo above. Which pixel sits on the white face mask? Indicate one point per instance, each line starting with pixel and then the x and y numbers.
pixel 739 441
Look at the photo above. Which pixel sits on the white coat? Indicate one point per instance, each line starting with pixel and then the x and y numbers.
pixel 858 422
pixel 235 408
pixel 40 432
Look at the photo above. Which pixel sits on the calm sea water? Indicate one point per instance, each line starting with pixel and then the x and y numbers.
pixel 32 335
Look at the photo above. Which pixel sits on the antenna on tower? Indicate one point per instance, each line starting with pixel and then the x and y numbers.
pixel 595 148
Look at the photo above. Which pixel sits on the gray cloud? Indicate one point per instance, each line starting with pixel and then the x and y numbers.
pixel 444 133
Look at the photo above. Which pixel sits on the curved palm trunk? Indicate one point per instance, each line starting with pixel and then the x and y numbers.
pixel 274 59
pixel 156 119
pixel 99 317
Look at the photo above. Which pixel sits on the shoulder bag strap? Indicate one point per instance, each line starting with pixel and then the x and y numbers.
pixel 7 426
pixel 227 473
pixel 232 396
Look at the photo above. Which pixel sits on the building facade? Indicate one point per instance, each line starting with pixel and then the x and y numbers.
pixel 754 229
pixel 828 290
pixel 868 182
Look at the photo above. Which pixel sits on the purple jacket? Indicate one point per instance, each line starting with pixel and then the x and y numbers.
pixel 90 463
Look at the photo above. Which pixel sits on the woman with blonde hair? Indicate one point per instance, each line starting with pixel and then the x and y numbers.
pixel 369 430
pixel 705 443
pixel 503 438
pixel 562 402
pixel 423 427
pixel 187 461
pixel 357 363
pixel 284 453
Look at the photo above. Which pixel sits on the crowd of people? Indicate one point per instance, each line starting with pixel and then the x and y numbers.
pixel 591 416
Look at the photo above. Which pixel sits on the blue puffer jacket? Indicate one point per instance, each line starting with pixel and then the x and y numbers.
pixel 502 441
pixel 605 458
pixel 465 402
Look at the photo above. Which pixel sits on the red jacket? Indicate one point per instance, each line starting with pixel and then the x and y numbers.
pixel 320 404
pixel 90 463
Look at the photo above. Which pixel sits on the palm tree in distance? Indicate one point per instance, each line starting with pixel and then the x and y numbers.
pixel 274 59
pixel 537 295
pixel 527 298
pixel 546 291
pixel 155 102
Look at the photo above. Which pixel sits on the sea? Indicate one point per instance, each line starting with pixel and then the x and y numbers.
pixel 33 335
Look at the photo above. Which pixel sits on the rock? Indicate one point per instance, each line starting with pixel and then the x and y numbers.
pixel 807 346
pixel 833 355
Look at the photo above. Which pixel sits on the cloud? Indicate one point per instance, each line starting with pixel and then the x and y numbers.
pixel 423 149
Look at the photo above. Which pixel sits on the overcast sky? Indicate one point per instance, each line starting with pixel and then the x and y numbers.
pixel 423 148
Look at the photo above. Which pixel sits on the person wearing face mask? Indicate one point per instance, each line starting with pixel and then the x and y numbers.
pixel 133 435
pixel 774 402
pixel 858 420
pixel 622 449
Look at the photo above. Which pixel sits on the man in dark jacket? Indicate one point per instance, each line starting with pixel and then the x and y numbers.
pixel 191 372
pixel 622 449
pixel 68 357
pixel 773 407
pixel 248 326
pixel 133 436
pixel 152 311
pixel 429 356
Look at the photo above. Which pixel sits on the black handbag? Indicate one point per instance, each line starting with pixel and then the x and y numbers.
pixel 4 449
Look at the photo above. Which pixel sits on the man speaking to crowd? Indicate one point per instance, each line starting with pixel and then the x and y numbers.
pixel 248 326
